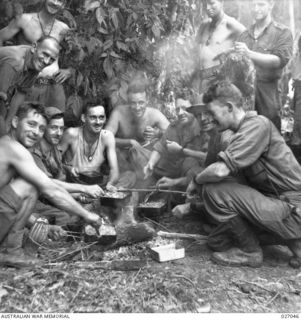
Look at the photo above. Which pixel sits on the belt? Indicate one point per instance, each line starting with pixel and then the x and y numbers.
pixel 44 82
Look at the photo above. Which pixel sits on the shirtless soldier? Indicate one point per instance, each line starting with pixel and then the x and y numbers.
pixel 22 182
pixel 215 37
pixel 135 125
pixel 28 28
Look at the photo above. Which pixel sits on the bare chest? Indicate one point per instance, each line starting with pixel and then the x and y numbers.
pixel 133 129
pixel 34 29
pixel 218 36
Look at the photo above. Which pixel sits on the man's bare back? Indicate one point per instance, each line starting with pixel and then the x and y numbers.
pixel 9 150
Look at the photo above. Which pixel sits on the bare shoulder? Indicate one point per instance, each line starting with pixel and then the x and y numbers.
pixel 107 136
pixel 71 133
pixel 62 26
pixel 12 148
pixel 155 113
pixel 23 19
pixel 234 25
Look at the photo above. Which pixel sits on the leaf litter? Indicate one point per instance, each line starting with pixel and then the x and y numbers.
pixel 86 277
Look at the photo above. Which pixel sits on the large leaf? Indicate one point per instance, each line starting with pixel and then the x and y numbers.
pixel 107 67
pixel 102 30
pixel 91 5
pixel 115 55
pixel 79 79
pixel 100 16
pixel 122 46
pixel 70 19
pixel 114 19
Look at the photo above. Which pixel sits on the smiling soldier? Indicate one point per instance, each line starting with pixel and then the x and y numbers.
pixel 136 125
pixel 22 182
pixel 27 29
pixel 85 150
pixel 19 67
pixel 267 201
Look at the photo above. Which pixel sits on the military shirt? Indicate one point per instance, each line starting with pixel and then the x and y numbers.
pixel 15 68
pixel 258 151
pixel 276 39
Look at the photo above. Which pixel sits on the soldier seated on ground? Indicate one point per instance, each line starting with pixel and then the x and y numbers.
pixel 88 149
pixel 136 126
pixel 22 182
pixel 266 201
pixel 211 142
pixel 170 164
pixel 49 159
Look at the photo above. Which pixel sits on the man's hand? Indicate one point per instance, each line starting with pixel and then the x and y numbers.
pixel 135 144
pixel 165 183
pixel 173 147
pixel 62 75
pixel 242 48
pixel 181 210
pixel 74 172
pixel 111 188
pixel 191 190
pixel 94 191
pixel 148 170
pixel 150 133
pixel 3 96
pixel 93 219
pixel 56 232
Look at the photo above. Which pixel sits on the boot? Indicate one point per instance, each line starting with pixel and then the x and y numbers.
pixel 236 257
pixel 13 255
pixel 248 251
pixel 295 247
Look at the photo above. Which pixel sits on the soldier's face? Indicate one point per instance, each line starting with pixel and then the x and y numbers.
pixel 137 103
pixel 54 6
pixel 214 7
pixel 183 116
pixel 95 119
pixel 30 129
pixel 44 54
pixel 54 131
pixel 261 9
pixel 205 120
pixel 221 115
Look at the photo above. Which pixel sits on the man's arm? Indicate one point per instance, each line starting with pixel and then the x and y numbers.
pixel 93 191
pixel 113 126
pixel 153 160
pixel 216 172
pixel 264 60
pixel 161 121
pixel 112 157
pixel 22 161
pixel 11 30
pixel 279 55
pixel 66 141
pixel 177 149
pixel 236 27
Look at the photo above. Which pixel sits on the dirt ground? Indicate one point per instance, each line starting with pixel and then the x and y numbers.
pixel 192 285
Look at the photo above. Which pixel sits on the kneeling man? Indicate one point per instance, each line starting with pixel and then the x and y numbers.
pixel 269 200
pixel 22 182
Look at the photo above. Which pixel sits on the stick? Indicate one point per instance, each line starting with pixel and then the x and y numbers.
pixel 181 235
pixel 151 190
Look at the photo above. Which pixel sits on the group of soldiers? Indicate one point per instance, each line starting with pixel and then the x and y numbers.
pixel 247 180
